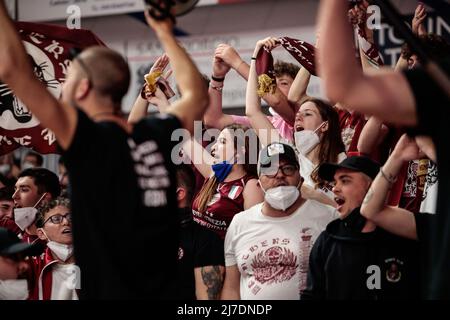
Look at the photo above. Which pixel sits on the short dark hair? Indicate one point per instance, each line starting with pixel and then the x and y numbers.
pixel 60 201
pixel 7 181
pixel 6 193
pixel 285 68
pixel 110 72
pixel 186 179
pixel 39 158
pixel 44 179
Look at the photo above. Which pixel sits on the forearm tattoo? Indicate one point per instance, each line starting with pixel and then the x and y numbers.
pixel 212 277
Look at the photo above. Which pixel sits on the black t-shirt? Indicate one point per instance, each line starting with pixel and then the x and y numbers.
pixel 433 110
pixel 199 247
pixel 125 225
pixel 344 261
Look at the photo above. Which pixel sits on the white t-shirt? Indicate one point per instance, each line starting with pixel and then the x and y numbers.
pixel 63 282
pixel 307 167
pixel 272 254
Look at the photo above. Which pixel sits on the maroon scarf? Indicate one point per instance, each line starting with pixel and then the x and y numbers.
pixel 302 51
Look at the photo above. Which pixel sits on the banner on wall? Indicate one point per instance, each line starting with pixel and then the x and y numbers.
pixel 141 55
pixel 51 10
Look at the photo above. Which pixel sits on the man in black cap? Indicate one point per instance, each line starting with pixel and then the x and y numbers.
pixel 352 258
pixel 12 265
pixel 267 246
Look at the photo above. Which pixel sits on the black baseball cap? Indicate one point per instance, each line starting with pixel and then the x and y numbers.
pixel 272 153
pixel 10 244
pixel 355 163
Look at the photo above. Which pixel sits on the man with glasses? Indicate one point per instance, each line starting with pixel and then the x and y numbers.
pixel 54 274
pixel 267 246
pixel 352 259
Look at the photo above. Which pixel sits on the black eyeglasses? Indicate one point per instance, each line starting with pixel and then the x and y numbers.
pixel 58 218
pixel 288 170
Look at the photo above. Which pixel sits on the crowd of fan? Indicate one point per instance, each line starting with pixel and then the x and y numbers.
pixel 334 204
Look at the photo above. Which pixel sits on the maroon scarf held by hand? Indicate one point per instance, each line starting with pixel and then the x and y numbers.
pixel 302 51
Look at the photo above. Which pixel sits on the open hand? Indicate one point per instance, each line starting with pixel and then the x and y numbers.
pixel 419 17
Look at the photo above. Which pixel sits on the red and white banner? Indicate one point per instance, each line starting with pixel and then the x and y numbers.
pixel 48 48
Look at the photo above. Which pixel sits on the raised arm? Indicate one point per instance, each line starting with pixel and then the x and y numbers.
pixel 418 29
pixel 395 220
pixel 417 24
pixel 385 94
pixel 277 100
pixel 262 126
pixel 201 159
pixel 372 135
pixel 16 72
pixel 297 93
pixel 140 107
pixel 231 57
pixel 214 116
pixel 194 97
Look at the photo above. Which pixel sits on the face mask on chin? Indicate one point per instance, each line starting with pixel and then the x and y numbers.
pixel 307 140
pixel 13 289
pixel 27 165
pixel 222 170
pixel 24 217
pixel 5 169
pixel 62 251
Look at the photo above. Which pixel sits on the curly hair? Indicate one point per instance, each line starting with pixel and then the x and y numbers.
pixel 285 68
pixel 60 201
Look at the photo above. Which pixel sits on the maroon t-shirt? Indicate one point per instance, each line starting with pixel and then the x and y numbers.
pixel 225 203
pixel 351 125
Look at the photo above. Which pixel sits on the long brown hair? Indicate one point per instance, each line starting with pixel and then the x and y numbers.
pixel 242 136
pixel 331 144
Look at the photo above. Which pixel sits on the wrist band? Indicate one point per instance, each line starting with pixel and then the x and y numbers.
pixel 388 179
pixel 253 58
pixel 217 79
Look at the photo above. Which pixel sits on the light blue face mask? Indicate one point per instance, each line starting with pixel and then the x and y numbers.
pixel 222 170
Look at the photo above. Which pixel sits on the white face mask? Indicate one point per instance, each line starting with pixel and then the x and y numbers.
pixel 13 289
pixel 27 165
pixel 62 251
pixel 306 140
pixel 281 198
pixel 5 169
pixel 24 217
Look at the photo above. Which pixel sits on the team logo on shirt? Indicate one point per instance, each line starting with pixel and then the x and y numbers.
pixel 180 253
pixel 274 265
pixel 235 192
pixel 393 272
